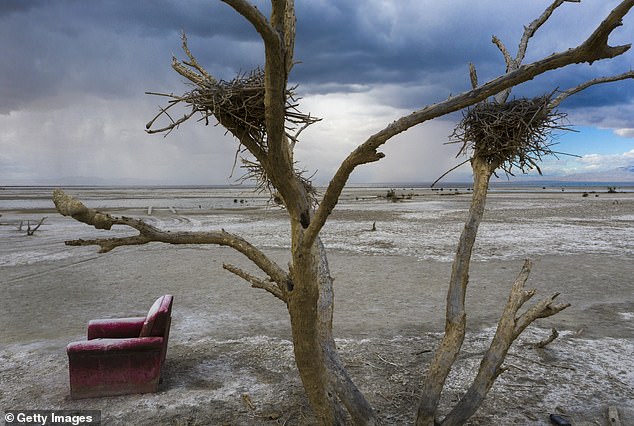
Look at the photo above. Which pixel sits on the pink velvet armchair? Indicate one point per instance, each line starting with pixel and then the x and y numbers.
pixel 121 356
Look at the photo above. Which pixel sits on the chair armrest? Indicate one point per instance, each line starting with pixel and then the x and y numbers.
pixel 98 346
pixel 115 328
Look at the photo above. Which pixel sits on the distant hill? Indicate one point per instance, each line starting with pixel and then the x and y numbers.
pixel 620 174
pixel 80 181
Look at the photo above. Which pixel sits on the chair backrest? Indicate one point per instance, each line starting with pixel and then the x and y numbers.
pixel 158 319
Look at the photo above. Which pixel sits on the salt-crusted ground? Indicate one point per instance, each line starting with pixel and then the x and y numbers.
pixel 230 358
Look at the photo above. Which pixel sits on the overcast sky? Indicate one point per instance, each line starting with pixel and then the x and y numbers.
pixel 74 73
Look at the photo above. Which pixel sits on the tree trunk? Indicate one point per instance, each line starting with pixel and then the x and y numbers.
pixel 303 304
pixel 456 319
pixel 350 396
pixel 490 367
pixel 330 390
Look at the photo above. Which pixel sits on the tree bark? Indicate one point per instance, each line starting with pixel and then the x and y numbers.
pixel 510 326
pixel 310 305
pixel 456 319
pixel 360 410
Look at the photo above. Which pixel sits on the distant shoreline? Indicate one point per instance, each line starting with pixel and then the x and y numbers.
pixel 495 185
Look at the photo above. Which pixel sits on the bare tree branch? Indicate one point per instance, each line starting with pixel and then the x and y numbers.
pixel 256 18
pixel 597 43
pixel 174 123
pixel 449 171
pixel 473 75
pixel 594 48
pixel 531 29
pixel 193 62
pixel 277 36
pixel 257 282
pixel 30 231
pixel 455 316
pixel 598 38
pixel 545 342
pixel 186 72
pixel 509 328
pixel 529 32
pixel 69 206
pixel 295 138
pixel 508 60
pixel 554 103
pixel 542 309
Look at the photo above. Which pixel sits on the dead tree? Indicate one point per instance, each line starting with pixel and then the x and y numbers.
pixel 260 110
pixel 30 231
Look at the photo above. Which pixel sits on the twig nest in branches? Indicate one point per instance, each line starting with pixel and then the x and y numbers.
pixel 238 104
pixel 516 133
pixel 240 99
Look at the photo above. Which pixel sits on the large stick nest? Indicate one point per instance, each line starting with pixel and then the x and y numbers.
pixel 240 100
pixel 517 133
pixel 237 104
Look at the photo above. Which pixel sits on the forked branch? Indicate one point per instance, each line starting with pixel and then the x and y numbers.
pixel 510 326
pixel 69 206
pixel 30 231
pixel 256 18
pixel 456 315
pixel 529 31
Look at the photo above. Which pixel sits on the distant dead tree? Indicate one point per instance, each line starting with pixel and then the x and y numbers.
pixel 30 231
pixel 261 111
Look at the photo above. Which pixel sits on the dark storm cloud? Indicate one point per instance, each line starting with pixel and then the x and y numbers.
pixel 107 48
pixel 73 75
pixel 8 7
pixel 414 43
pixel 118 48
pixel 351 42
